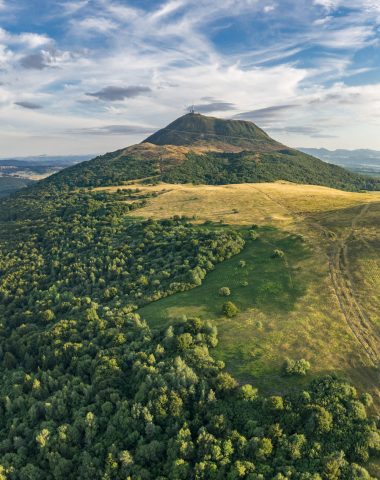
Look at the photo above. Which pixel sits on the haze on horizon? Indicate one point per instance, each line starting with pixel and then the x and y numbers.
pixel 96 75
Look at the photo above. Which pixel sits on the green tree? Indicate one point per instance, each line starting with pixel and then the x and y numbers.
pixel 230 309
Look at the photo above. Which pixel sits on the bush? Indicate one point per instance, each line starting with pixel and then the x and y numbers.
pixel 230 309
pixel 295 367
pixel 278 253
pixel 224 292
pixel 242 263
pixel 253 235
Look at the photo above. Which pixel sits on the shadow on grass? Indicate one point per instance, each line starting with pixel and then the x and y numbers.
pixel 255 278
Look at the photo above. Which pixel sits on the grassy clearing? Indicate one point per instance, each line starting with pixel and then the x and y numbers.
pixel 265 203
pixel 287 309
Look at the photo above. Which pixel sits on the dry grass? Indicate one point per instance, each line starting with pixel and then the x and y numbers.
pixel 265 203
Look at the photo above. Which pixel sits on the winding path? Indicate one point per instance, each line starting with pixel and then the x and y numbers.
pixel 355 315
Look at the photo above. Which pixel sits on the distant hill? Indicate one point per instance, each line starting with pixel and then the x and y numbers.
pixel 17 173
pixel 10 185
pixel 207 150
pixel 51 160
pixel 362 161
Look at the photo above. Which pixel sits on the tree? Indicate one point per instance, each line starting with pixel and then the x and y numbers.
pixel 295 367
pixel 48 315
pixel 224 292
pixel 230 309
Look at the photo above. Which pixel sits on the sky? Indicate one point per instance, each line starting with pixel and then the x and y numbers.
pixel 91 76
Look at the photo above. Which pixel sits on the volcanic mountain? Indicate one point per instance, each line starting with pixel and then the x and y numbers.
pixel 207 150
pixel 195 130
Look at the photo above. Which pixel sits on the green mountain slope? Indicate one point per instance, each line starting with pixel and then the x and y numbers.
pixel 199 149
pixel 245 167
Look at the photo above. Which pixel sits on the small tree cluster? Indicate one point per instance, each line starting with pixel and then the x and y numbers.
pixel 296 367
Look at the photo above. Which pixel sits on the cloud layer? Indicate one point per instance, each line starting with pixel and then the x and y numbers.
pixel 107 72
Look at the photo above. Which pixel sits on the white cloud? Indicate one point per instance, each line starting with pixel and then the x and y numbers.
pixel 168 50
pixel 269 8
pixel 27 39
pixel 327 4
pixel 33 40
pixel 94 24
pixel 70 8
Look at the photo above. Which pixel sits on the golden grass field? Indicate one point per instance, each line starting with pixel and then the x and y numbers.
pixel 243 204
pixel 334 323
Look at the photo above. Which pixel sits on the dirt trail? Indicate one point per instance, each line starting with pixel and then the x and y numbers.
pixel 357 319
pixel 338 258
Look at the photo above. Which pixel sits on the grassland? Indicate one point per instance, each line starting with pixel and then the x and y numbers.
pixel 320 302
pixel 275 204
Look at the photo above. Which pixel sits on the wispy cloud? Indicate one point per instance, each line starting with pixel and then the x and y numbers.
pixel 94 25
pixel 70 8
pixel 265 114
pixel 28 105
pixel 114 94
pixel 212 107
pixel 113 130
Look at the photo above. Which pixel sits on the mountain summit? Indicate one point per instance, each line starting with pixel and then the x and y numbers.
pixel 207 150
pixel 199 130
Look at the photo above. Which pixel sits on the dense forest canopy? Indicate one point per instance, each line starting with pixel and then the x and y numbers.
pixel 89 391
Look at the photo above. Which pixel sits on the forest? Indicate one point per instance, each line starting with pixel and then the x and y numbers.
pixel 210 168
pixel 89 391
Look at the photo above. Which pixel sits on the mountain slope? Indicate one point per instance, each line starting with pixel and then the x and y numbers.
pixel 226 135
pixel 200 149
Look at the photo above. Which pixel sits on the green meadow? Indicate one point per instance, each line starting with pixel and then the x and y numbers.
pixel 267 292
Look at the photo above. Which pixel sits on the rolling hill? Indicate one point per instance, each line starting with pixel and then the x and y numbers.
pixel 206 150
pixel 362 161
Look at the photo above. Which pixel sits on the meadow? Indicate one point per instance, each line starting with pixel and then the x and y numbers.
pixel 290 307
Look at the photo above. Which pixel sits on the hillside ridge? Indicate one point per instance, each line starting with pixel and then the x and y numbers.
pixel 207 150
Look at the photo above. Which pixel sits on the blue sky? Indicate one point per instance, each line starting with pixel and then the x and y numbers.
pixel 90 76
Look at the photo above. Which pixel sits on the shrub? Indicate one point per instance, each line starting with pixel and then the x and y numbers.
pixel 253 235
pixel 278 253
pixel 295 367
pixel 224 292
pixel 248 392
pixel 230 309
pixel 242 263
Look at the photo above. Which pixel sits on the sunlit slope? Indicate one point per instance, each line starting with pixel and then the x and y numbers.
pixel 299 306
pixel 246 203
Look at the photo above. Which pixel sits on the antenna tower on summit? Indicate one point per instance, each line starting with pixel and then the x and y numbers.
pixel 192 109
